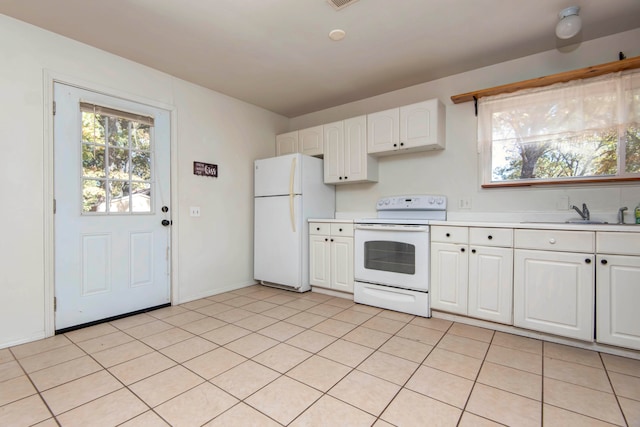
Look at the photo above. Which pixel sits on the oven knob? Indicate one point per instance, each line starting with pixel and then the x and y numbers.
pixel 440 201
pixel 380 202
pixel 431 200
pixel 386 202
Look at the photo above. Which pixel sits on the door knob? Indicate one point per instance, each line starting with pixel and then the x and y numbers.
pixel 166 222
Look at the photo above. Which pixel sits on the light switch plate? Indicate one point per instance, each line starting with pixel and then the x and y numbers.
pixel 194 211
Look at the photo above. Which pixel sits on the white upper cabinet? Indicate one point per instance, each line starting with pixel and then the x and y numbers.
pixel 345 153
pixel 415 127
pixel 383 131
pixel 308 141
pixel 287 143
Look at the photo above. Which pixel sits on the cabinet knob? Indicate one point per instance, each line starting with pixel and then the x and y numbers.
pixel 395 145
pixel 340 178
pixel 473 251
pixel 448 235
pixel 318 228
pixel 552 241
pixel 461 249
pixel 332 240
pixel 489 237
pixel 339 229
pixel 588 260
pixel 402 144
pixel 603 262
pixel 326 239
pixel 346 177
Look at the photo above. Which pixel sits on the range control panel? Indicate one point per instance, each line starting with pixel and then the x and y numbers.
pixel 422 202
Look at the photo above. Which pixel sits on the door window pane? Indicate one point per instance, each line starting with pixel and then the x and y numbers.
pixel 117 149
pixel 94 195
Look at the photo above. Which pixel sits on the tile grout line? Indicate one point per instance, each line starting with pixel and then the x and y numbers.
pixel 615 395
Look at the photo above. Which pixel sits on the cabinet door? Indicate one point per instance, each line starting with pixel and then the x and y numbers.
pixel 382 131
pixel 554 292
pixel 419 126
pixel 287 143
pixel 342 264
pixel 333 152
pixel 355 149
pixel 491 284
pixel 618 295
pixel 310 141
pixel 449 277
pixel 319 261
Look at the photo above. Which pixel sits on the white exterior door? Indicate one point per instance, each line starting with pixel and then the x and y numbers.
pixel 112 180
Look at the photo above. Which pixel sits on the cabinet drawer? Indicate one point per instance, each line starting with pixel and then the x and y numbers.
pixel 556 240
pixel 319 228
pixel 342 229
pixel 449 234
pixel 502 237
pixel 609 242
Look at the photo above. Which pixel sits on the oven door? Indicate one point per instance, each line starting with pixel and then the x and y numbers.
pixel 393 255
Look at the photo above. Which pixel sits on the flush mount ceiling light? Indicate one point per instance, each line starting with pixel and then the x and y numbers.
pixel 570 23
pixel 337 35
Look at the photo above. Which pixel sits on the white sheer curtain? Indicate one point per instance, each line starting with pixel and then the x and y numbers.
pixel 565 119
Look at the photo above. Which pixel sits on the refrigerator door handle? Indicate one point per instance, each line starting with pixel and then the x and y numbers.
pixel 292 214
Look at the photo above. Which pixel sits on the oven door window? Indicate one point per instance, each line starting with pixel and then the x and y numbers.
pixel 394 257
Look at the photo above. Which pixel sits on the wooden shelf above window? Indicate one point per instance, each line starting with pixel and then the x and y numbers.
pixel 583 73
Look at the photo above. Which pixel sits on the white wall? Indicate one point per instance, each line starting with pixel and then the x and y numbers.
pixel 454 172
pixel 215 250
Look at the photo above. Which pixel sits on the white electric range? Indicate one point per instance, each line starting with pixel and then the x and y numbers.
pixel 392 253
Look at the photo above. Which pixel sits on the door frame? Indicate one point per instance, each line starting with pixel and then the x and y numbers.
pixel 49 79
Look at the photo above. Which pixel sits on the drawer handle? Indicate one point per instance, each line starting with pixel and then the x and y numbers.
pixel 473 251
pixel 552 241
pixel 461 249
pixel 588 260
pixel 326 239
pixel 490 237
pixel 332 240
pixel 603 262
pixel 448 235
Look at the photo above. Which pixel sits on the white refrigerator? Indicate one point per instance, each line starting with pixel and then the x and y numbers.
pixel 288 191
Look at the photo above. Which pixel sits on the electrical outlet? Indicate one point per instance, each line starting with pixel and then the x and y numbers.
pixel 194 211
pixel 464 203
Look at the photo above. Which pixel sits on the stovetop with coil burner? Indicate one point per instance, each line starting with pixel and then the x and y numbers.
pixel 409 210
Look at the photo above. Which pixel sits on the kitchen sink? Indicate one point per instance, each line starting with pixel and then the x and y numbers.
pixel 585 221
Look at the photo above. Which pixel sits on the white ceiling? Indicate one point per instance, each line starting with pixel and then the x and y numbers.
pixel 277 54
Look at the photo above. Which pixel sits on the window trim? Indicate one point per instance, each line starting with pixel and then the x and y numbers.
pixel 567 76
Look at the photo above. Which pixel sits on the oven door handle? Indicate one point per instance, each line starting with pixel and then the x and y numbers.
pixel 375 227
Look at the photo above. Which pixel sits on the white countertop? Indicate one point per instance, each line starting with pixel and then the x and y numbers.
pixel 633 228
pixel 331 220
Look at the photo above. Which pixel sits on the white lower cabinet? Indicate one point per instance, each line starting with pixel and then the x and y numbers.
pixel 331 256
pixel 553 291
pixel 491 284
pixel 472 272
pixel 449 277
pixel 618 289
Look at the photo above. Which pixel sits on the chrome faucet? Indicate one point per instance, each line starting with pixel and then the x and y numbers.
pixel 621 215
pixel 584 213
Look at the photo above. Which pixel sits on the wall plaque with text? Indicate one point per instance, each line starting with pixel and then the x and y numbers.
pixel 205 169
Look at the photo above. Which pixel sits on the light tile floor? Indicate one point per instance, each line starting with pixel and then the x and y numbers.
pixel 260 356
